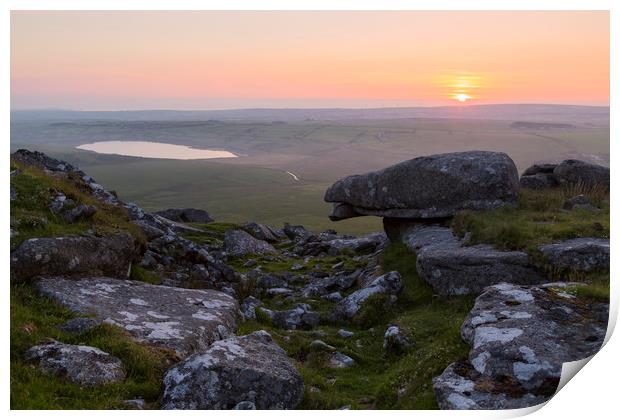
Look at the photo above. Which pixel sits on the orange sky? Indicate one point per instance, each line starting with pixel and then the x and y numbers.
pixel 209 60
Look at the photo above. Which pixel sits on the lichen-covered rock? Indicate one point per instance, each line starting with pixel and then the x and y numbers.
pixel 73 255
pixel 520 336
pixel 83 365
pixel 248 369
pixel 468 270
pixel 579 254
pixel 239 242
pixel 387 284
pixel 429 187
pixel 248 307
pixel 185 215
pixel 395 341
pixel 184 320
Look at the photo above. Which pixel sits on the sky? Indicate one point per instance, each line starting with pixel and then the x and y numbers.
pixel 125 60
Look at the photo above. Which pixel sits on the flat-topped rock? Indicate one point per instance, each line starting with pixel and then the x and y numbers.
pixel 579 254
pixel 520 336
pixel 428 187
pixel 73 255
pixel 469 269
pixel 251 369
pixel 184 320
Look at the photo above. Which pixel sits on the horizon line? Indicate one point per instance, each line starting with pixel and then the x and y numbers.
pixel 455 106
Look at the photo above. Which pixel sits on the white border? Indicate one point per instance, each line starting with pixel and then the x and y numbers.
pixel 593 394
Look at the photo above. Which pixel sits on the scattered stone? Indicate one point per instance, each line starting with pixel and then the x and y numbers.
pixel 239 242
pixel 185 215
pixel 83 365
pixel 79 212
pixel 580 202
pixel 345 334
pixel 429 187
pixel 73 255
pixel 333 297
pixel 78 326
pixel 245 405
pixel 320 345
pixel 261 232
pixel 297 267
pixel 395 341
pixel 520 336
pixel 349 307
pixel 300 317
pixel 184 320
pixel 579 254
pixel 340 361
pixel 251 368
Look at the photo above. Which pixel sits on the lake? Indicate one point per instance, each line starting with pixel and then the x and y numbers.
pixel 154 150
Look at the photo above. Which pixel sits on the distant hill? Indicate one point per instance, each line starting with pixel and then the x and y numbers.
pixel 531 112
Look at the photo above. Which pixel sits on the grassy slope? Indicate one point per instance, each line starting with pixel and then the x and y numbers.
pixel 35 319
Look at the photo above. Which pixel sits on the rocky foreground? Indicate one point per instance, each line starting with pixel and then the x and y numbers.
pixel 206 293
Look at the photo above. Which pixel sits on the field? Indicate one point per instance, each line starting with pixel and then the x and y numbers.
pixel 256 186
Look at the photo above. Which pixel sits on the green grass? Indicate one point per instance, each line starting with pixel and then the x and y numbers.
pixel 596 287
pixel 379 380
pixel 536 219
pixel 142 274
pixel 35 319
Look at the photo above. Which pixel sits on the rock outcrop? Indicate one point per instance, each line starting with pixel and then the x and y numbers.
pixel 579 254
pixel 568 172
pixel 183 320
pixel 251 369
pixel 428 187
pixel 452 268
pixel 520 336
pixel 74 255
pixel 83 365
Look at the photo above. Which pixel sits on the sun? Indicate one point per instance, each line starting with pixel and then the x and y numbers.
pixel 462 97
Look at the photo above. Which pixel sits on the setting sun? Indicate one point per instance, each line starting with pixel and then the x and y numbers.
pixel 462 97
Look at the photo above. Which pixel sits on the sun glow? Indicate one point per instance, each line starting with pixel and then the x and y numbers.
pixel 462 97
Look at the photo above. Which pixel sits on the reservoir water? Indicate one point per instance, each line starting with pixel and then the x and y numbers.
pixel 155 150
